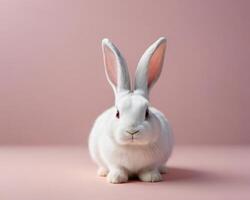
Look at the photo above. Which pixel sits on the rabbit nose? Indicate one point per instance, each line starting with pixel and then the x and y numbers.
pixel 132 132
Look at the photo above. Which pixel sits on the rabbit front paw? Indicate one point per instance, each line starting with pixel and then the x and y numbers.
pixel 150 176
pixel 117 176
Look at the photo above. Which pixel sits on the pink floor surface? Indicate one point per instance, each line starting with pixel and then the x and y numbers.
pixel 67 173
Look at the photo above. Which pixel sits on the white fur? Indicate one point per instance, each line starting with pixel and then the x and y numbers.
pixel 119 154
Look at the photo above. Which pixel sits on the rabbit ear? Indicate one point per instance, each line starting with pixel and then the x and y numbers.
pixel 150 66
pixel 115 67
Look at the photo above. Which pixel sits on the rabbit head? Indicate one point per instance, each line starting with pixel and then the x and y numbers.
pixel 133 122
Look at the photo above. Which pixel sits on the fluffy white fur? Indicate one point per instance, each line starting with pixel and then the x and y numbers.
pixel 131 138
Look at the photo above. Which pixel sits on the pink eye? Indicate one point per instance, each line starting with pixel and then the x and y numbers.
pixel 147 114
pixel 117 114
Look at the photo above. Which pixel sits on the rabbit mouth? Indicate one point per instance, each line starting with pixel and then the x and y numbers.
pixel 133 133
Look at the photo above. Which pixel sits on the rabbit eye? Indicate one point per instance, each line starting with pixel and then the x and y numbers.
pixel 146 114
pixel 117 114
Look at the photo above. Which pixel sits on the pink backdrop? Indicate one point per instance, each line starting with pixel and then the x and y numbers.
pixel 52 82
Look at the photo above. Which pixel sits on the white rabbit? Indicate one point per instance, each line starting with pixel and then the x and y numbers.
pixel 131 138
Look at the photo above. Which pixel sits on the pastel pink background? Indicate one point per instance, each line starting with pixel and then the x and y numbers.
pixel 52 82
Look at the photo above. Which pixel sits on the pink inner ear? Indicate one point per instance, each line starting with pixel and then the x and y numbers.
pixel 110 62
pixel 155 64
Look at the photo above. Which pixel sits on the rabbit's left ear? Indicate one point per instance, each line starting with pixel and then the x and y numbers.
pixel 150 66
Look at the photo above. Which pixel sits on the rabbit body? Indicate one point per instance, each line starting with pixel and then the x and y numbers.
pixel 134 159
